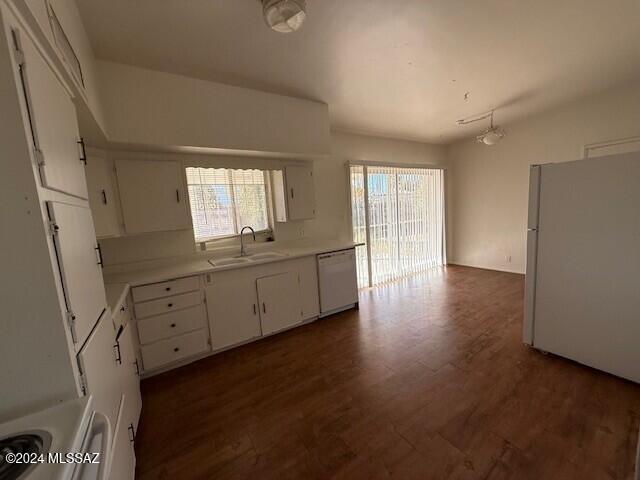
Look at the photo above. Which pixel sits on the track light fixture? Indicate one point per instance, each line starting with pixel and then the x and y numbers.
pixel 491 135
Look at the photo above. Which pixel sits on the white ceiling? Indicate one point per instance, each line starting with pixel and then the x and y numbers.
pixel 396 68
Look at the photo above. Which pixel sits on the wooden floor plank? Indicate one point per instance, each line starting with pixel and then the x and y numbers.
pixel 428 380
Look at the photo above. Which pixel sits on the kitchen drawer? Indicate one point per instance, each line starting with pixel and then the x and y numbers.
pixel 168 304
pixel 171 324
pixel 173 349
pixel 165 289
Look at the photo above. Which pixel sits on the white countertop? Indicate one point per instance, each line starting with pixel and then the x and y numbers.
pixel 168 269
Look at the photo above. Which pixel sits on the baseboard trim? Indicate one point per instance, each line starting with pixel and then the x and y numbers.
pixel 484 267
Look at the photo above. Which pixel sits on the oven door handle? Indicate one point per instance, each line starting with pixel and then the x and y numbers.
pixel 99 425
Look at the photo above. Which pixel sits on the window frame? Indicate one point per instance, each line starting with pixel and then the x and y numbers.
pixel 267 199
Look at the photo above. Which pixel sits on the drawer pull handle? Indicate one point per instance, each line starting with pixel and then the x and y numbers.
pixel 173 325
pixel 176 349
pixel 170 305
pixel 168 289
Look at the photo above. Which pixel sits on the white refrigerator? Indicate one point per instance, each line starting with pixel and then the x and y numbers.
pixel 582 298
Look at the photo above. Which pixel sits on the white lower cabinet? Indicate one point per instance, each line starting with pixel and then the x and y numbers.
pixel 232 304
pixel 242 304
pixel 123 459
pixel 168 304
pixel 250 302
pixel 171 322
pixel 307 268
pixel 100 369
pixel 279 297
pixel 109 372
pixel 173 349
pixel 130 378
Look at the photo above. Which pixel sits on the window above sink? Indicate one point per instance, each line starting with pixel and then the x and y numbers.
pixel 224 200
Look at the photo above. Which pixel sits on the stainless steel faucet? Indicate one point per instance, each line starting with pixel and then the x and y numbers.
pixel 243 252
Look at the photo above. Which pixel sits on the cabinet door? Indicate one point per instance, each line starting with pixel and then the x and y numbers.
pixel 40 12
pixel 300 192
pixel 123 459
pixel 54 126
pixel 232 306
pixel 152 196
pixel 79 264
pixel 279 298
pixel 308 270
pixel 103 196
pixel 129 376
pixel 100 368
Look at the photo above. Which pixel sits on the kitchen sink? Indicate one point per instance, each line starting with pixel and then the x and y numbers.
pixel 255 257
pixel 225 262
pixel 266 256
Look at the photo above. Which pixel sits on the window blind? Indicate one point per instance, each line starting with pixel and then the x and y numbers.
pixel 225 200
pixel 399 214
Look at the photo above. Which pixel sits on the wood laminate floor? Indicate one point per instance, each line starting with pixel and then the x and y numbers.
pixel 428 380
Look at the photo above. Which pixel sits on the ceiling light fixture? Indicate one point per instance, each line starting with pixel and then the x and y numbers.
pixel 491 135
pixel 284 16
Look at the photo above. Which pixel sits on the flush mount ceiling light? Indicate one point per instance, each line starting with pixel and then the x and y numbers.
pixel 284 16
pixel 491 135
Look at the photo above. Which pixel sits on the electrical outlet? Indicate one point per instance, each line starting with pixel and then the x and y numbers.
pixel 301 232
pixel 507 258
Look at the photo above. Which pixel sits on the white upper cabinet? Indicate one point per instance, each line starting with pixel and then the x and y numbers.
pixel 279 302
pixel 53 123
pixel 80 266
pixel 103 195
pixel 61 24
pixel 152 196
pixel 294 193
pixel 300 192
pixel 232 304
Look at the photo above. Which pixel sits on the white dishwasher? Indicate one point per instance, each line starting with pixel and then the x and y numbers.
pixel 338 281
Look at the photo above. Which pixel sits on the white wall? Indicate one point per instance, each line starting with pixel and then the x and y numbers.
pixel 332 179
pixel 146 107
pixel 490 184
pixel 332 199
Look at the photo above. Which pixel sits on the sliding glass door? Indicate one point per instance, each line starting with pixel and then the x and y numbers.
pixel 399 214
